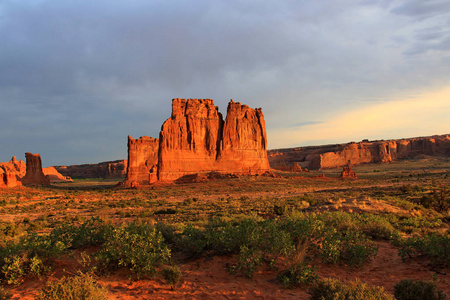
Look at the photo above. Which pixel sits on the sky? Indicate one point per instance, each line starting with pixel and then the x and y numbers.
pixel 78 77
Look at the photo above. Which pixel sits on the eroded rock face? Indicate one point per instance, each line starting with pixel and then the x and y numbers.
pixel 143 158
pixel 34 174
pixel 11 172
pixel 244 142
pixel 197 140
pixel 333 156
pixel 189 139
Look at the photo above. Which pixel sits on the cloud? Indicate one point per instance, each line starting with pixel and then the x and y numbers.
pixel 422 115
pixel 77 77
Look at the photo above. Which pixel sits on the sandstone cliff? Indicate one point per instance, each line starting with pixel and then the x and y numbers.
pixel 195 139
pixel 109 169
pixel 34 174
pixel 334 156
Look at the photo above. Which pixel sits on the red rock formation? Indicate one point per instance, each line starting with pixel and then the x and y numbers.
pixel 108 169
pixel 54 176
pixel 189 139
pixel 11 172
pixel 197 140
pixel 34 174
pixel 333 156
pixel 347 172
pixel 244 143
pixel 143 158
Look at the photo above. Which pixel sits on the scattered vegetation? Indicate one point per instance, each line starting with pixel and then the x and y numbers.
pixel 79 287
pixel 286 226
pixel 331 289
pixel 408 289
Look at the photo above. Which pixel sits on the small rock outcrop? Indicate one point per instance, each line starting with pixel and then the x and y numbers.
pixel 196 140
pixel 347 172
pixel 34 174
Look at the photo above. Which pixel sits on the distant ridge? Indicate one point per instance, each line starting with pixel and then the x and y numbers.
pixel 379 151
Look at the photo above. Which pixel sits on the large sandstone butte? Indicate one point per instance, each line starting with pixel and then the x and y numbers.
pixel 196 140
pixel 34 174
pixel 334 156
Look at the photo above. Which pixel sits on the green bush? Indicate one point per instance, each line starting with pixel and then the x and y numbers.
pixel 32 254
pixel 80 287
pixel 5 294
pixel 297 275
pixel 192 241
pixel 434 246
pixel 250 260
pixel 171 275
pixel 140 248
pixel 333 289
pixel 350 247
pixel 417 290
pixel 91 233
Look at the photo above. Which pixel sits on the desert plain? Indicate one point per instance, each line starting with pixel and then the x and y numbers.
pixel 231 238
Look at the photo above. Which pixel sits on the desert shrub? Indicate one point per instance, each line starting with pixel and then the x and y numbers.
pixel 434 246
pixel 350 247
pixel 171 275
pixel 5 294
pixel 333 289
pixel 302 227
pixel 80 287
pixel 297 275
pixel 407 289
pixel 32 254
pixel 254 240
pixel 377 226
pixel 140 248
pixel 438 200
pixel 192 241
pixel 250 259
pixel 280 209
pixel 90 233
pixel 167 231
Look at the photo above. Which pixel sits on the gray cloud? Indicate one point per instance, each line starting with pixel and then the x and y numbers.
pixel 77 77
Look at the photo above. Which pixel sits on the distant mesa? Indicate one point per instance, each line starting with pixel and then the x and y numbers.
pixel 196 140
pixel 335 156
pixel 17 173
pixel 108 169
